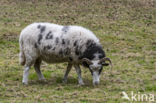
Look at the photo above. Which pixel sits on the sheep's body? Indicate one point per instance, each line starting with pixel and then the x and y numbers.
pixel 55 44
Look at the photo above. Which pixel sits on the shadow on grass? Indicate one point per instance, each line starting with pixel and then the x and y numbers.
pixel 57 80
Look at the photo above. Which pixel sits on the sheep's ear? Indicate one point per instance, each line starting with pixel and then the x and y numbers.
pixel 87 61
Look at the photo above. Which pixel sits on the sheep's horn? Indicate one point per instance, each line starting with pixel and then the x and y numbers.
pixel 106 59
pixel 87 60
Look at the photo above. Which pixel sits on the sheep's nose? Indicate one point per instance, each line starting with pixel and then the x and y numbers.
pixel 96 83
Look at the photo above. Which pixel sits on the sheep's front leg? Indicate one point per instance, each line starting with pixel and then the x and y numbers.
pixel 66 73
pixel 78 70
pixel 25 75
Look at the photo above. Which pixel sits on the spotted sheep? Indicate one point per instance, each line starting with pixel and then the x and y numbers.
pixel 54 43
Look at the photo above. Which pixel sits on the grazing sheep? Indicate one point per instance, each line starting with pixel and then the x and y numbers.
pixel 56 44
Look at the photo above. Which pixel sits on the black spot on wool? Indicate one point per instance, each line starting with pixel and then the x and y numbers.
pixel 48 36
pixel 35 45
pixel 75 43
pixel 39 38
pixel 65 29
pixel 67 51
pixel 57 40
pixel 47 47
pixel 38 26
pixel 77 51
pixel 42 29
pixel 89 43
pixel 63 41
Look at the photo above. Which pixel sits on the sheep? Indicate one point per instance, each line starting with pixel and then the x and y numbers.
pixel 54 43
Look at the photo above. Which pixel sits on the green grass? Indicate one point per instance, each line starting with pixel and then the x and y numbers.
pixel 127 32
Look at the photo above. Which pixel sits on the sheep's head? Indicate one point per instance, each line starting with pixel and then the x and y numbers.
pixel 96 66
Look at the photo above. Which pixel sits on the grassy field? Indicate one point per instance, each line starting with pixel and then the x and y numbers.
pixel 126 29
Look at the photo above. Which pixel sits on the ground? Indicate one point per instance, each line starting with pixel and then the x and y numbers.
pixel 127 32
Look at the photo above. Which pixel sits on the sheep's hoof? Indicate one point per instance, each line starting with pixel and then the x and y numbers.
pixel 25 83
pixel 64 81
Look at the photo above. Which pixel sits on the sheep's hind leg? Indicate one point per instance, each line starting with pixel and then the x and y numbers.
pixel 78 70
pixel 37 69
pixel 25 75
pixel 67 72
pixel 29 62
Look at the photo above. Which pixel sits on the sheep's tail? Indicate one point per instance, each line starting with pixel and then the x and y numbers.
pixel 21 54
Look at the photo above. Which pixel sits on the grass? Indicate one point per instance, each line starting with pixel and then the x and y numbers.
pixel 126 29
